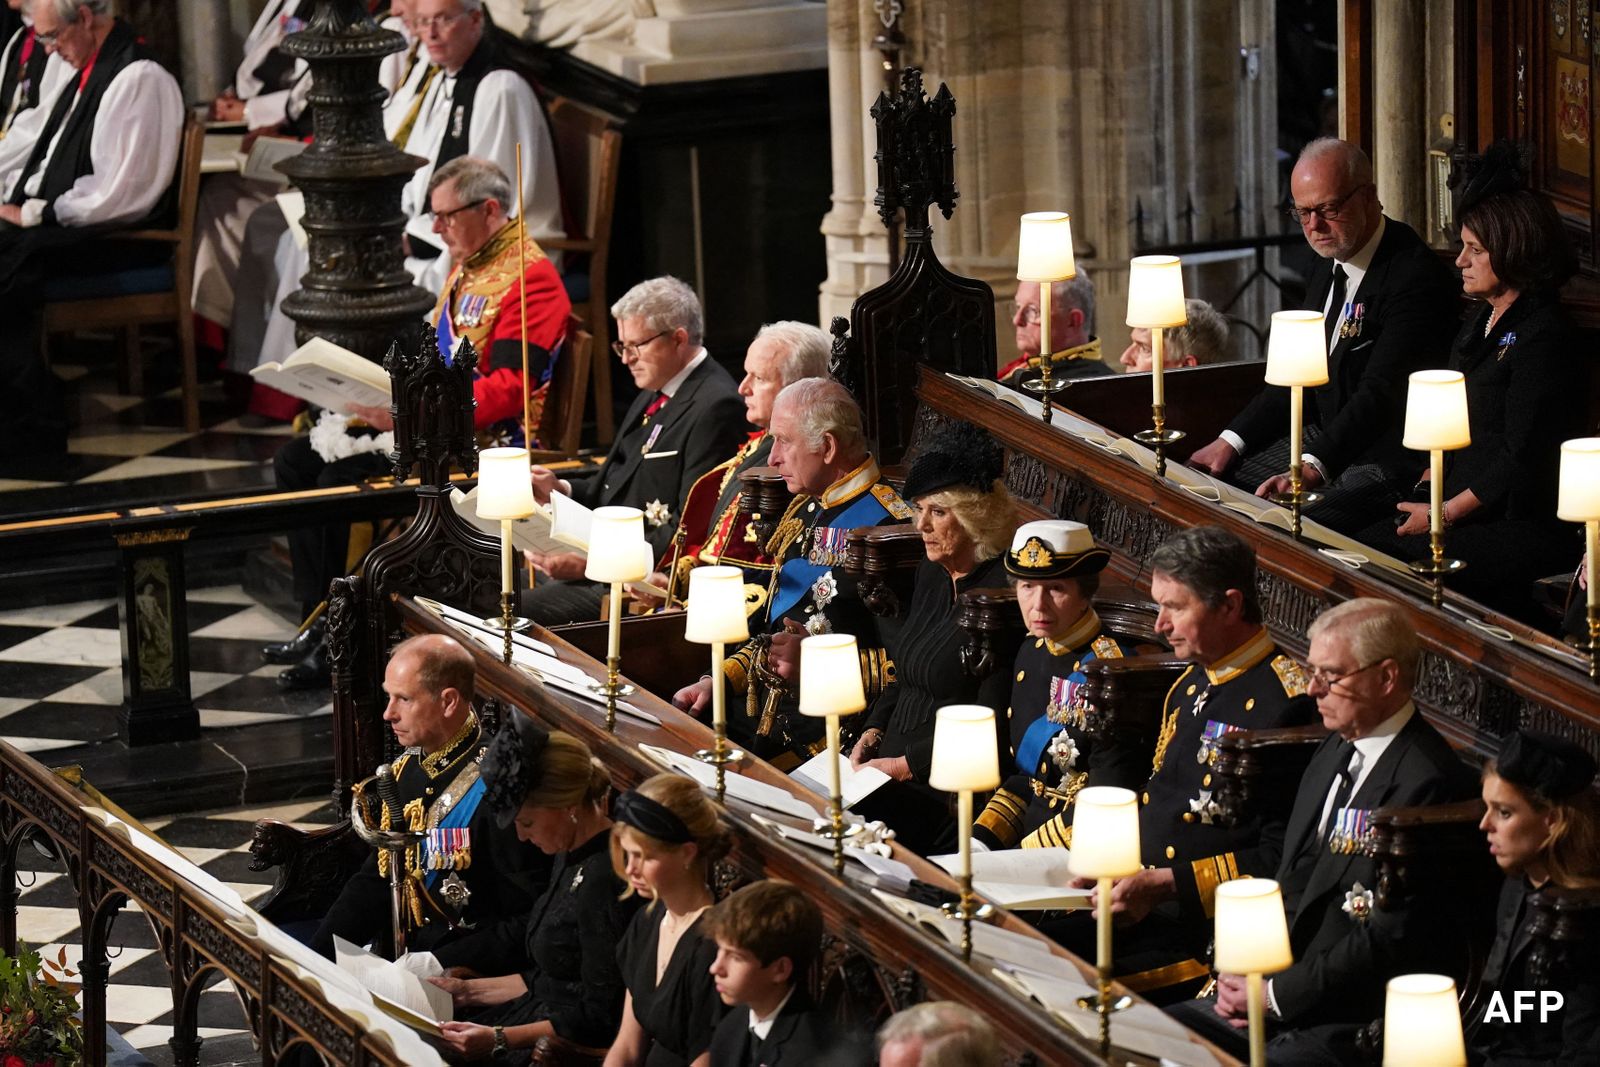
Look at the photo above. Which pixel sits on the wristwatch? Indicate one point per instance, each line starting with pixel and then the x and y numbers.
pixel 501 1045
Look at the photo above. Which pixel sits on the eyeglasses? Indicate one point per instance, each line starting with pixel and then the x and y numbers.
pixel 437 22
pixel 1030 312
pixel 631 348
pixel 1328 678
pixel 50 40
pixel 448 216
pixel 1332 211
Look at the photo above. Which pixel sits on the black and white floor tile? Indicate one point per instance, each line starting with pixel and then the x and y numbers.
pixel 139 1000
pixel 61 669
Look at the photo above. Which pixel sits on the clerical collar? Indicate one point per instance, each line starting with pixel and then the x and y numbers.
pixel 1255 649
pixel 676 381
pixel 1079 634
pixel 853 484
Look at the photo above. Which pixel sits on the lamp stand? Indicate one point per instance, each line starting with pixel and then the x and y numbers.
pixel 719 755
pixel 1258 1025
pixel 1045 385
pixel 507 620
pixel 613 687
pixel 1102 1003
pixel 966 908
pixel 1298 496
pixel 1436 566
pixel 833 827
pixel 1591 530
pixel 1159 438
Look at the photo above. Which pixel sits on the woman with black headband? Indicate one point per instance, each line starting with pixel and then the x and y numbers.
pixel 558 983
pixel 666 839
pixel 1543 825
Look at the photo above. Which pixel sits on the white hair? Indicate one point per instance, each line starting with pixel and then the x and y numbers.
pixel 664 303
pixel 1356 163
pixel 806 349
pixel 823 406
pixel 67 10
pixel 949 1034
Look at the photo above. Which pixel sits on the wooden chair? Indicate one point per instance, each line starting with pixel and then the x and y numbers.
pixel 561 422
pixel 589 148
pixel 129 299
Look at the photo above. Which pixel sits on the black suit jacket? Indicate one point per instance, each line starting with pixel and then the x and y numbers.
pixel 1408 317
pixel 800 1037
pixel 702 425
pixel 1341 962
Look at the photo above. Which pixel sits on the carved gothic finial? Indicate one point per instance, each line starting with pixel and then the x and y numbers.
pixel 839 353
pixel 426 385
pixel 916 152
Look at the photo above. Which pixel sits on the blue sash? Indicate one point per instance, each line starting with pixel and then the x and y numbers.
pixel 798 574
pixel 457 818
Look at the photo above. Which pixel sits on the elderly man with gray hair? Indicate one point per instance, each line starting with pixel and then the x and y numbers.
pixel 687 418
pixel 938 1033
pixel 711 529
pixel 819 448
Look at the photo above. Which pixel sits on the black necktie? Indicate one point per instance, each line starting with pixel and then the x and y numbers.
pixel 58 115
pixel 1335 304
pixel 752 1048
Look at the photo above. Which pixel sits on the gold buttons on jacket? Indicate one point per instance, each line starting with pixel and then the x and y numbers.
pixel 1020 675
pixel 1188 816
pixel 1248 704
pixel 1147 798
pixel 1171 852
pixel 1038 643
pixel 1189 692
pixel 1206 780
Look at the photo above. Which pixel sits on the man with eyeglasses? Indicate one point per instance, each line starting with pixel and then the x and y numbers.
pixel 1381 753
pixel 687 418
pixel 1203 581
pixel 1075 350
pixel 483 303
pixel 29 73
pixel 104 159
pixel 1390 309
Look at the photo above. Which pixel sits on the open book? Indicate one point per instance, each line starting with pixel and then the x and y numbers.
pixel 737 785
pixel 991 941
pixel 265 152
pixel 560 526
pixel 328 376
pixel 1142 1028
pixel 853 784
pixel 1005 394
pixel 398 992
pixel 1022 878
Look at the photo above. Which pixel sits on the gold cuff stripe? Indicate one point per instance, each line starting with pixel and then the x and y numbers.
pixel 1161 977
pixel 1210 873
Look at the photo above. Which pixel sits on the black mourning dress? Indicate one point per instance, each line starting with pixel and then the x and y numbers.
pixel 568 958
pixel 679 1015
pixel 929 675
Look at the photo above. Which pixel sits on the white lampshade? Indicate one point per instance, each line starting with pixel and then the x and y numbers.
pixel 1297 349
pixel 1155 292
pixel 1252 935
pixel 615 535
pixel 830 676
pixel 1422 1023
pixel 505 484
pixel 1436 411
pixel 716 606
pixel 1579 498
pixel 1105 833
pixel 1044 247
pixel 965 753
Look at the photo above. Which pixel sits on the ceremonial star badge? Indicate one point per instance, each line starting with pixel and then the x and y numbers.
pixel 1358 903
pixel 1204 806
pixel 1064 752
pixel 656 513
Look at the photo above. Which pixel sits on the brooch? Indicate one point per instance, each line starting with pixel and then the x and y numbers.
pixel 1358 903
pixel 1505 342
pixel 1063 752
pixel 818 624
pixel 577 880
pixel 656 513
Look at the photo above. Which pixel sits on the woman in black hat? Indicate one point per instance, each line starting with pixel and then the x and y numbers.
pixel 1543 825
pixel 966 518
pixel 558 981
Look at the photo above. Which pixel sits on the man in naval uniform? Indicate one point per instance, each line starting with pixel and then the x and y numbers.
pixel 819 448
pixel 104 159
pixel 1381 753
pixel 711 529
pixel 1056 566
pixel 484 303
pixel 686 418
pixel 1203 580
pixel 1071 327
pixel 469 870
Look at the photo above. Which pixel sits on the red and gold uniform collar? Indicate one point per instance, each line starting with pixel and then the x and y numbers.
pixel 1256 648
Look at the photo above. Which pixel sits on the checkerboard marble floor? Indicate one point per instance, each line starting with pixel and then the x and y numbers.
pixel 139 1000
pixel 61 673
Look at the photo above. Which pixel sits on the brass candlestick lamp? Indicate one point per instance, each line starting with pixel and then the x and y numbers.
pixel 1044 255
pixel 618 553
pixel 830 687
pixel 1297 357
pixel 505 492
pixel 1155 303
pixel 966 760
pixel 1105 846
pixel 716 617
pixel 1436 422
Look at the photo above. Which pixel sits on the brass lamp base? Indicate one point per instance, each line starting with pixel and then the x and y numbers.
pixel 516 624
pixel 1039 385
pixel 823 827
pixel 1592 645
pixel 1160 438
pixel 1296 500
pixel 1435 569
pixel 719 758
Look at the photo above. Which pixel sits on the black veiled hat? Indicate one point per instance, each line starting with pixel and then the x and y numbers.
pixel 511 767
pixel 1545 764
pixel 1502 168
pixel 957 454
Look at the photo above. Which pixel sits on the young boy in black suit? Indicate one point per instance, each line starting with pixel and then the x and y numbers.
pixel 768 935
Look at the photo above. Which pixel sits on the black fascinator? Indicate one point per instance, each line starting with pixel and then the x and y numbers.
pixel 510 768
pixel 956 454
pixel 1502 168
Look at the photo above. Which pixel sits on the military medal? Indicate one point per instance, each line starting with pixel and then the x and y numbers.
pixel 1205 807
pixel 1200 701
pixel 1349 833
pixel 1207 752
pixel 448 849
pixel 649 443
pixel 470 308
pixel 1063 752
pixel 1352 320
pixel 1065 705
pixel 1357 903
pixel 455 892
pixel 827 546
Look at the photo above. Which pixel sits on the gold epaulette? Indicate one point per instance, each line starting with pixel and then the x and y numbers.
pixel 891 501
pixel 1292 675
pixel 1106 648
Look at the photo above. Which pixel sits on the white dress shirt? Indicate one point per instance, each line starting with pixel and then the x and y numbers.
pixel 17 143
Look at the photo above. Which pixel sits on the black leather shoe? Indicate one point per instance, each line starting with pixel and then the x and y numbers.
pixel 294 651
pixel 315 671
